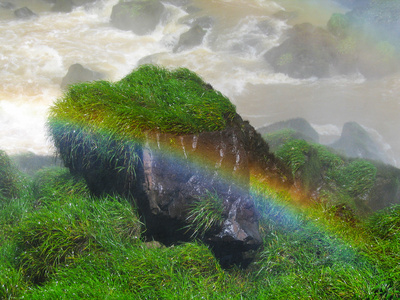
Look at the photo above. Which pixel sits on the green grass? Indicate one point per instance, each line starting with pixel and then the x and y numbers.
pixel 151 98
pixel 64 243
pixel 9 179
pixel 205 215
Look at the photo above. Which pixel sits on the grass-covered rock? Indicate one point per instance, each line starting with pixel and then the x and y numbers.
pixel 169 140
pixel 361 184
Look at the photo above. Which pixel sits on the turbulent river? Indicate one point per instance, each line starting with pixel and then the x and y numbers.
pixel 35 55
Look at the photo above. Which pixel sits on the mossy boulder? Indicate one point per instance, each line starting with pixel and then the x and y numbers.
pixel 299 125
pixel 169 140
pixel 309 51
pixel 323 174
pixel 139 16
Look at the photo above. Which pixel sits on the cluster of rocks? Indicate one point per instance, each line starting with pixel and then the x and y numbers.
pixel 354 145
pixel 364 40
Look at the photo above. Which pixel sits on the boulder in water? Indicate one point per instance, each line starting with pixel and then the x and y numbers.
pixel 24 13
pixel 191 38
pixel 78 73
pixel 6 5
pixel 64 6
pixel 139 16
pixel 309 51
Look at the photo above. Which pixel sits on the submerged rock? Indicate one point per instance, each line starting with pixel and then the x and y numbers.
pixel 141 17
pixel 77 73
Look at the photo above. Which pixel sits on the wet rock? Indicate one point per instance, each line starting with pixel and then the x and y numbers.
pixel 300 125
pixel 356 142
pixel 64 6
pixel 77 73
pixel 6 5
pixel 205 22
pixel 178 3
pixel 309 51
pixel 166 186
pixel 24 13
pixel 191 38
pixel 141 17
pixel 177 179
pixel 286 15
pixel 83 2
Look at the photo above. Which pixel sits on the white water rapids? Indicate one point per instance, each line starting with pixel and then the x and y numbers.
pixel 35 55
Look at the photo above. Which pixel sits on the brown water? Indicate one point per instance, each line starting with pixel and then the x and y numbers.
pixel 35 55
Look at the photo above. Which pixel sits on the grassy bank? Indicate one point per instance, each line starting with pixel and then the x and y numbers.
pixel 60 242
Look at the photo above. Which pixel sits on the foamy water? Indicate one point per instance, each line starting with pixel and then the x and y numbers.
pixel 35 56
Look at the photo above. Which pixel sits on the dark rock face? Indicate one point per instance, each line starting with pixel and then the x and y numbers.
pixel 356 142
pixel 191 38
pixel 174 172
pixel 298 124
pixel 24 13
pixel 77 73
pixel 141 17
pixel 309 51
